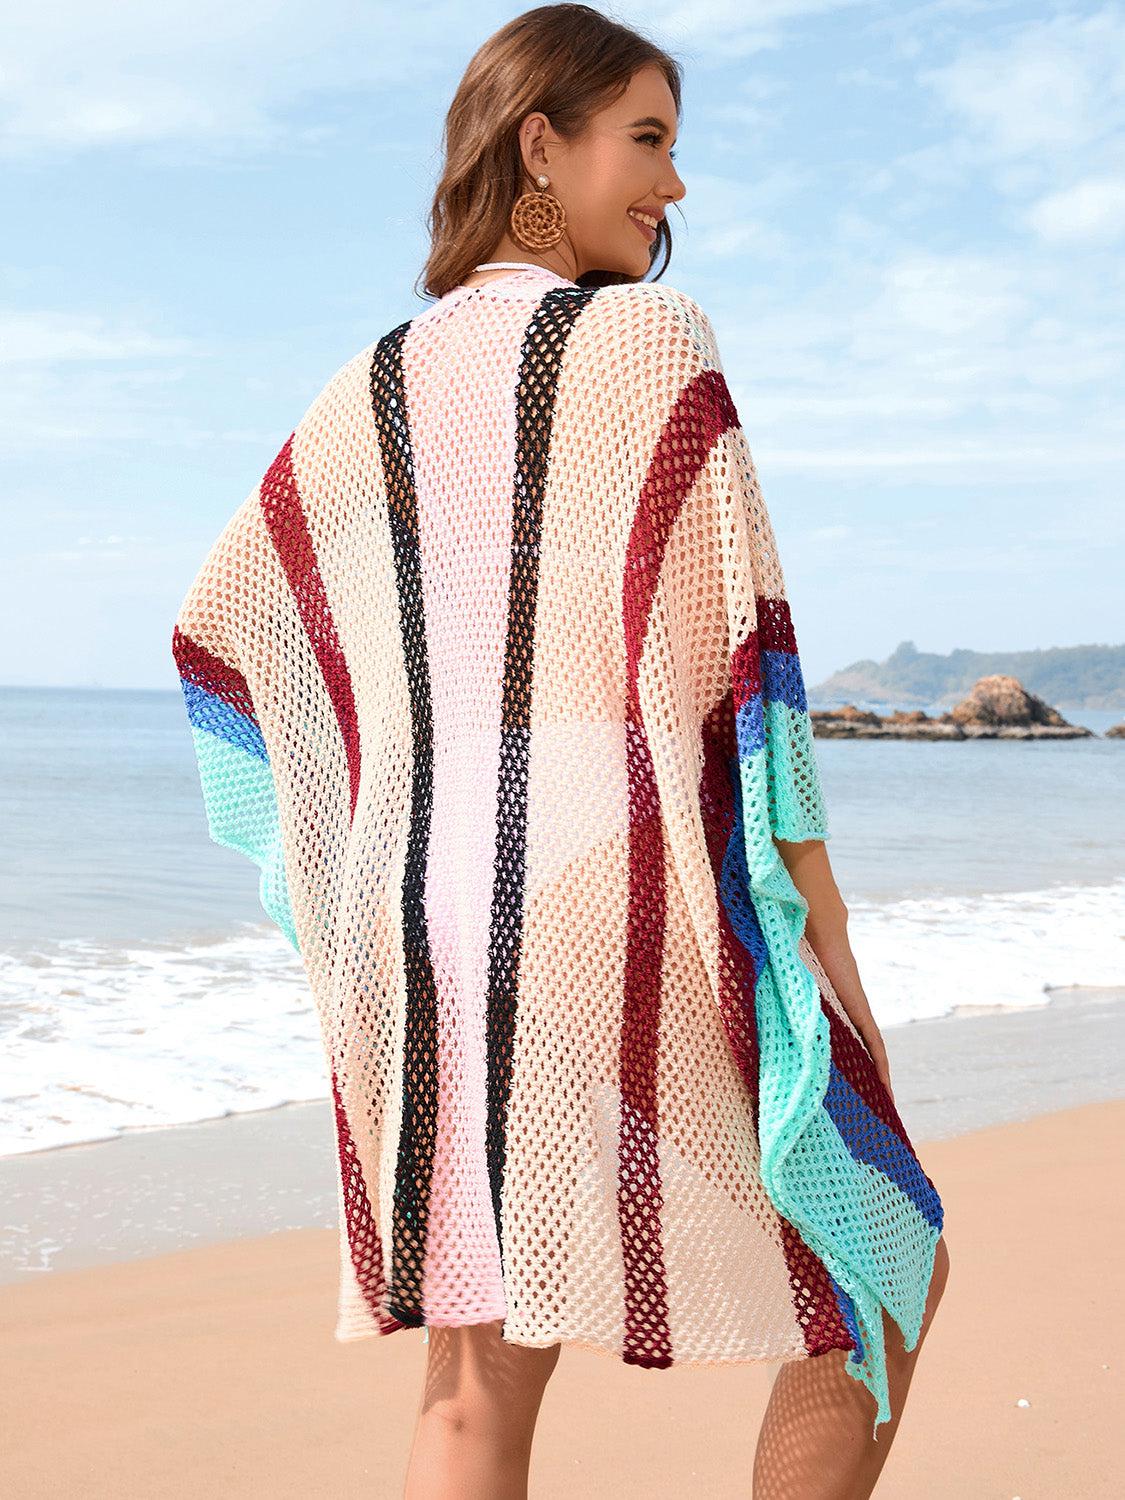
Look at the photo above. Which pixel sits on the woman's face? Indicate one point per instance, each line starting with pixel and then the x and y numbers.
pixel 622 162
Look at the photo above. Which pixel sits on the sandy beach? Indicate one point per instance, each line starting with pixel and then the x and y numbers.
pixel 210 1368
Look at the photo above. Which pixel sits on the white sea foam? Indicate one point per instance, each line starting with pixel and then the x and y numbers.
pixel 931 956
pixel 101 1039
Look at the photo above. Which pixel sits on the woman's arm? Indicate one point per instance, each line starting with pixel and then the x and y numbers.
pixel 826 928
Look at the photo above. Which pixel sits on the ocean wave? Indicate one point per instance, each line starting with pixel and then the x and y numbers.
pixel 101 1039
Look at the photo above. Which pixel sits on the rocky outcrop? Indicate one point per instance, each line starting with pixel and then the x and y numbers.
pixel 851 723
pixel 998 707
pixel 1115 732
pixel 1005 702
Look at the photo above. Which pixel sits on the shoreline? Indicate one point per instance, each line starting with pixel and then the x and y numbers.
pixel 1056 995
pixel 156 1190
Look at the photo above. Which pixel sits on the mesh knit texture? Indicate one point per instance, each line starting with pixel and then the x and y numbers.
pixel 493 677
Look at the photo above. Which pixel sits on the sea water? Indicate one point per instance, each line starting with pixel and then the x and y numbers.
pixel 141 985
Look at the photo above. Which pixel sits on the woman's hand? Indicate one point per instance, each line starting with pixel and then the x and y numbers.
pixel 830 944
pixel 865 1023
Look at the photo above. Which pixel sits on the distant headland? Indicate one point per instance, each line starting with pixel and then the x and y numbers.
pixel 1079 676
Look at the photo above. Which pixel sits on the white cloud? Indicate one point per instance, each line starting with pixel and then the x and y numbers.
pixel 1037 111
pixel 1049 87
pixel 87 73
pixel 79 74
pixel 47 337
pixel 1089 212
pixel 48 409
pixel 724 30
pixel 901 361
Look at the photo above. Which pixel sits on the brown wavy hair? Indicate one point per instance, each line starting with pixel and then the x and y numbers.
pixel 570 61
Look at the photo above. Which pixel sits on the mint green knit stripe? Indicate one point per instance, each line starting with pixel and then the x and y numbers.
pixel 242 814
pixel 841 1208
pixel 796 797
pixel 871 1237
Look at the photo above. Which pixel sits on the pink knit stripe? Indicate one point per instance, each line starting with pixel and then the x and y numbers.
pixel 462 1248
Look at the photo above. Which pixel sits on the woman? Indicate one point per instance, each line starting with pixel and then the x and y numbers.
pixel 493 676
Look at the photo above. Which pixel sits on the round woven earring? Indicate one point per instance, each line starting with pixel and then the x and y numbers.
pixel 537 219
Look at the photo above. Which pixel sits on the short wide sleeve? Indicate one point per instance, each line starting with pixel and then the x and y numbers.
pixel 236 778
pixel 723 709
pixel 721 560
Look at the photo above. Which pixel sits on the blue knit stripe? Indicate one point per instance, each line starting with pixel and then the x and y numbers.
pixel 782 679
pixel 851 1322
pixel 750 727
pixel 239 796
pixel 208 711
pixel 782 682
pixel 872 1142
pixel 734 885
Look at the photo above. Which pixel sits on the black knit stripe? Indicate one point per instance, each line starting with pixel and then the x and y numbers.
pixel 541 358
pixel 418 1132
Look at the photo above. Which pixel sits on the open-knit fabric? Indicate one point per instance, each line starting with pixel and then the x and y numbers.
pixel 493 676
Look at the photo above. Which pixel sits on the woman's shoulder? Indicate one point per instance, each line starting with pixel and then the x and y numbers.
pixel 657 298
pixel 662 312
pixel 648 332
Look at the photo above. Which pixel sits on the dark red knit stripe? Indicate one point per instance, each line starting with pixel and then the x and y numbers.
pixel 690 431
pixel 775 625
pixel 746 669
pixel 285 518
pixel 197 664
pixel 364 1242
pixel 814 1302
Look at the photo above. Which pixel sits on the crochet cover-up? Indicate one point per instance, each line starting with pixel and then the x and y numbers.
pixel 493 676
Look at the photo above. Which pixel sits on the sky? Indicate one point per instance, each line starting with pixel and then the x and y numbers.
pixel 906 223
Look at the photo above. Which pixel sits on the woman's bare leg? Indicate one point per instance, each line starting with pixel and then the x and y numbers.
pixel 815 1442
pixel 477 1416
